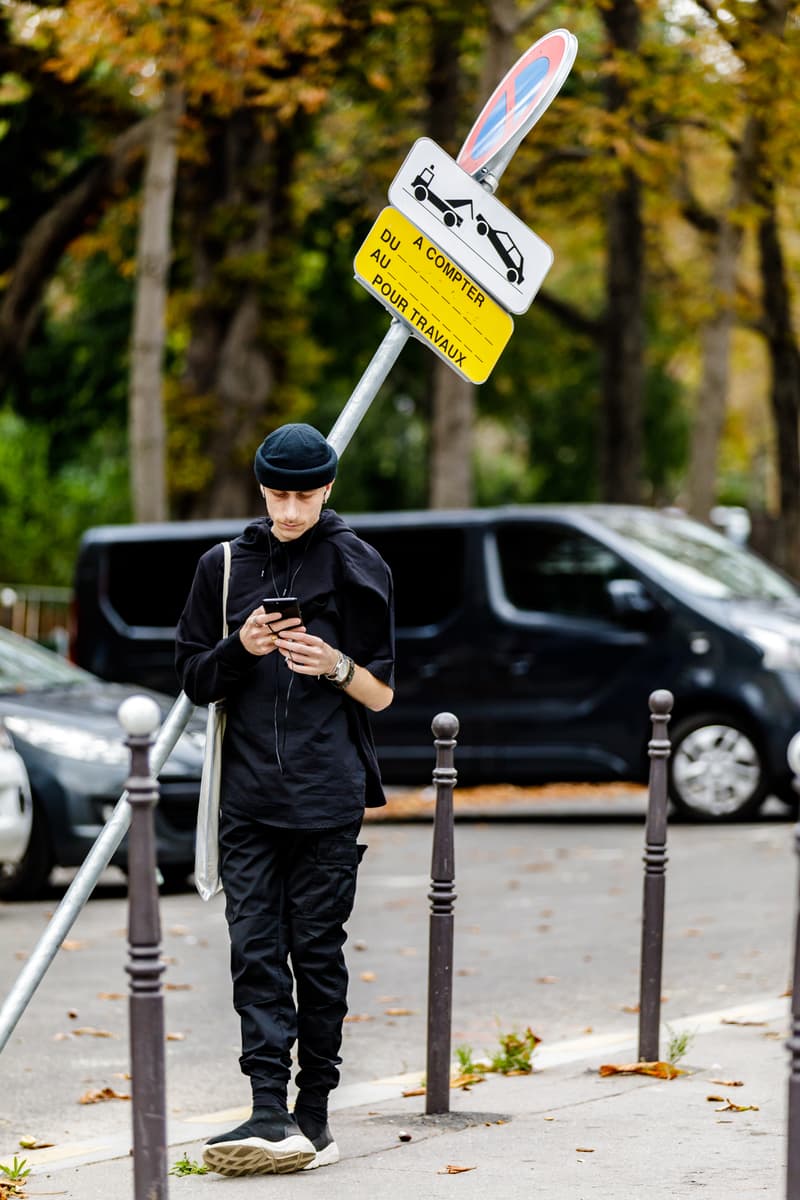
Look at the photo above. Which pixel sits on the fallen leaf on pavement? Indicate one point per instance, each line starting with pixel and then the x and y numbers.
pixel 451 1169
pixel 178 930
pixel 176 1037
pixel 32 1143
pixel 101 1094
pixel 72 1013
pixel 729 1082
pixel 729 1106
pixel 773 1034
pixel 418 1091
pixel 583 1150
pixel 359 945
pixel 547 979
pixel 112 996
pixel 353 1017
pixel 73 945
pixel 466 971
pixel 735 1021
pixel 177 987
pixel 399 1012
pixel 89 1031
pixel 630 1008
pixel 466 1081
pixel 367 976
pixel 660 1070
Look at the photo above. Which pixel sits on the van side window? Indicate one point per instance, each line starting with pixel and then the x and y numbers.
pixel 148 582
pixel 554 569
pixel 428 570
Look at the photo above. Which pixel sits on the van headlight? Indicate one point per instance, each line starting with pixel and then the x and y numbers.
pixel 781 653
pixel 69 742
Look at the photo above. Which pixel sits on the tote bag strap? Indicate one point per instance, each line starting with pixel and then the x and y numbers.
pixel 226 578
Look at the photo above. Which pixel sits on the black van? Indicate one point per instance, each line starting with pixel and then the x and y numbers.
pixel 544 628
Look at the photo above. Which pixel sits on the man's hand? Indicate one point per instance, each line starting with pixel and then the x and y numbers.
pixel 306 654
pixel 259 634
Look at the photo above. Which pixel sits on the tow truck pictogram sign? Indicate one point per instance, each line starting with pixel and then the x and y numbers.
pixel 500 253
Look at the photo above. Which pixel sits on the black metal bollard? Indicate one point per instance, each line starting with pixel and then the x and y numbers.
pixel 793 1046
pixel 655 860
pixel 442 897
pixel 140 717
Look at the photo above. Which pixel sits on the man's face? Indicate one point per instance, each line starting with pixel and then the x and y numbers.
pixel 294 512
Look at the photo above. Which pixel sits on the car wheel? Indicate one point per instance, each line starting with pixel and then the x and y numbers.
pixel 716 771
pixel 26 880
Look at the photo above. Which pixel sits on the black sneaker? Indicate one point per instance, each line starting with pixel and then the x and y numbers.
pixel 326 1152
pixel 269 1143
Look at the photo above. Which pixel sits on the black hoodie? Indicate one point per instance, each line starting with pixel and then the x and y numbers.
pixel 298 752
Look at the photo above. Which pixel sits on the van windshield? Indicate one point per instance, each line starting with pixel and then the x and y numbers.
pixel 26 667
pixel 698 558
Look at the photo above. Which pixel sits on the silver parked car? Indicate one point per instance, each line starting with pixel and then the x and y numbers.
pixel 16 806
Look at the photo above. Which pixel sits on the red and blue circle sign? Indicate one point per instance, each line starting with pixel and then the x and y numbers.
pixel 519 99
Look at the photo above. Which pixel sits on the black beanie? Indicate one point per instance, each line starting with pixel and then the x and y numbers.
pixel 295 458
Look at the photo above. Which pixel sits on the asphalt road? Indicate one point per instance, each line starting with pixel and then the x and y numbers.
pixel 547 936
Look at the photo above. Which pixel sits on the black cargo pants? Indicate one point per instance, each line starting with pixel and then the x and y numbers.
pixel 288 893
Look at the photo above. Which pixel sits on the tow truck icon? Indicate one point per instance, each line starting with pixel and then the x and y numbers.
pixel 422 191
pixel 502 243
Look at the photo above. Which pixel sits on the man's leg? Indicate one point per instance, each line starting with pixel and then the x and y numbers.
pixel 253 879
pixel 320 892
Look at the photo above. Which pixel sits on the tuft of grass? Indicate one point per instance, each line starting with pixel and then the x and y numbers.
pixel 678 1045
pixel 17 1171
pixel 514 1055
pixel 187 1166
pixel 466 1063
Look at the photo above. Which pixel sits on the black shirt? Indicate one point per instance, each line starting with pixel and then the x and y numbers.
pixel 298 751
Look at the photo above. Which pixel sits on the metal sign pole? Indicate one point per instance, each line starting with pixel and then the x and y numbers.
pixel 367 387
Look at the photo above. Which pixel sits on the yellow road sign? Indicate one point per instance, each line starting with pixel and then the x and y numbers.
pixel 445 308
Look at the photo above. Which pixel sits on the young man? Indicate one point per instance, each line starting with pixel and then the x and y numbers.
pixel 298 767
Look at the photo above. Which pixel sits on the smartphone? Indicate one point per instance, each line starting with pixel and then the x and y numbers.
pixel 287 606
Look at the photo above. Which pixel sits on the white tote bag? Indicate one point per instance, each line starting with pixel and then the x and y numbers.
pixel 206 852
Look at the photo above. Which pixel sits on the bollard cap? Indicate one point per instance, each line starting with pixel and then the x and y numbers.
pixel 661 702
pixel 445 725
pixel 139 716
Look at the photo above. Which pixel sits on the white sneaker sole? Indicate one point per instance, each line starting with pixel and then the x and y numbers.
pixel 324 1158
pixel 256 1156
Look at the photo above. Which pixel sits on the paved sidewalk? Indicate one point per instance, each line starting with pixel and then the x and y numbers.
pixel 563 1132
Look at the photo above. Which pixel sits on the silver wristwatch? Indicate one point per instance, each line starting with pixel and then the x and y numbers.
pixel 339 672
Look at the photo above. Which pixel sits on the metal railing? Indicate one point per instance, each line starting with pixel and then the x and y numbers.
pixel 39 613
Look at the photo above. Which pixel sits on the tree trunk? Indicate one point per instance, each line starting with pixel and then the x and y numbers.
pixel 146 421
pixel 784 358
pixel 46 241
pixel 452 398
pixel 622 423
pixel 712 395
pixel 452 435
pixel 230 363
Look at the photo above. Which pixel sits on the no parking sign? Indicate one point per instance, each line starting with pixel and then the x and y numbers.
pixel 517 102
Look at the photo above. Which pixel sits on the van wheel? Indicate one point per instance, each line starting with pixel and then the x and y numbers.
pixel 27 879
pixel 716 771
